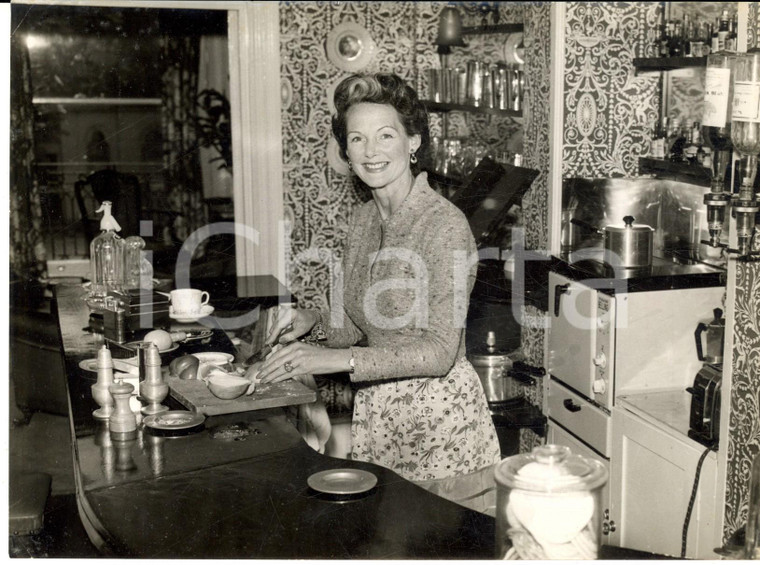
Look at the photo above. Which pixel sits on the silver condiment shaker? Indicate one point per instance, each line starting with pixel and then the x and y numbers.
pixel 123 423
pixel 100 392
pixel 153 389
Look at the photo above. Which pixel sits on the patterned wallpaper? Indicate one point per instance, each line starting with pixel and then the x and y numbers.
pixel 609 109
pixel 744 417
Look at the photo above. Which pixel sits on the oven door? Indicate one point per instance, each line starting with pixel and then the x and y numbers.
pixel 572 334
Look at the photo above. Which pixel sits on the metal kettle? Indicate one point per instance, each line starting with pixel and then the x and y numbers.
pixel 714 332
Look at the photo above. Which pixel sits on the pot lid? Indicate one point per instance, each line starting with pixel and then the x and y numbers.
pixel 551 469
pixel 488 354
pixel 628 225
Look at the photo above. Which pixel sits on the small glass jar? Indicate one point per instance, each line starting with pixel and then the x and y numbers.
pixel 548 505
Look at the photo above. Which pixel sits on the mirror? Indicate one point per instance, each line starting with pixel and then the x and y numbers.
pixel 143 92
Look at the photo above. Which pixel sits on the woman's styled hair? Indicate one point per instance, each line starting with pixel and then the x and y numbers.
pixel 382 88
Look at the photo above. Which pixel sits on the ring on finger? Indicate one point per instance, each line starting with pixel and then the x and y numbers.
pixel 288 366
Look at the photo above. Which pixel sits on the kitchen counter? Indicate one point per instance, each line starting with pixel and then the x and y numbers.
pixel 206 495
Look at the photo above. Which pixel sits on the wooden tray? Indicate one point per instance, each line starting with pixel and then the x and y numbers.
pixel 195 395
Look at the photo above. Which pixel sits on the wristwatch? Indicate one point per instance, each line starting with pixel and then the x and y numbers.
pixel 351 364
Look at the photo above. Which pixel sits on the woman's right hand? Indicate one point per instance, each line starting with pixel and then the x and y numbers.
pixel 290 324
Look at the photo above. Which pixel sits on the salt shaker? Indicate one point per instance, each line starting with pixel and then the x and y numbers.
pixel 100 392
pixel 152 385
pixel 123 422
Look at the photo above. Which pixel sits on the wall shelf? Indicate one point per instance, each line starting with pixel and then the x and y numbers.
pixel 98 101
pixel 493 29
pixel 681 172
pixel 668 63
pixel 433 106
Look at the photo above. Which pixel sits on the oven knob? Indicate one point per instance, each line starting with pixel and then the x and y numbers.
pixel 600 361
pixel 599 386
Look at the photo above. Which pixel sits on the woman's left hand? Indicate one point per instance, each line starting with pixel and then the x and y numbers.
pixel 298 358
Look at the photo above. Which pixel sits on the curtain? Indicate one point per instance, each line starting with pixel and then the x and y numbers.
pixel 182 171
pixel 27 248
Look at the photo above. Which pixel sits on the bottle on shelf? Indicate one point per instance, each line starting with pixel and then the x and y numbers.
pixel 731 40
pixel 714 43
pixel 688 36
pixel 659 139
pixel 676 41
pixel 664 43
pixel 678 143
pixel 723 29
pixel 693 142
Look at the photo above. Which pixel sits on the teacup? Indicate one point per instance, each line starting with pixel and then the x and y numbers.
pixel 188 300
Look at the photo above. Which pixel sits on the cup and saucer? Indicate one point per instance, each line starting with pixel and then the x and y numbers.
pixel 189 305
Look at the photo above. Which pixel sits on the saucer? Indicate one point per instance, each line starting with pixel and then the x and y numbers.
pixel 187 318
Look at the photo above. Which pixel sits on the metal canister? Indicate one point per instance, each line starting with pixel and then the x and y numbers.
pixel 488 88
pixel 501 87
pixel 515 88
pixel 461 74
pixel 475 83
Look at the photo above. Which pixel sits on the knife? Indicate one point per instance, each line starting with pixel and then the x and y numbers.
pixel 258 356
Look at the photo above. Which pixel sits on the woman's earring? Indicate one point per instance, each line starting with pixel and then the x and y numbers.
pixel 350 168
pixel 413 158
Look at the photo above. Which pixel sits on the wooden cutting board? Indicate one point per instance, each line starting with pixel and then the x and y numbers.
pixel 195 395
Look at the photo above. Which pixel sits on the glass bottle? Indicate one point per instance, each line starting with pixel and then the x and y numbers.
pixel 107 256
pixel 723 30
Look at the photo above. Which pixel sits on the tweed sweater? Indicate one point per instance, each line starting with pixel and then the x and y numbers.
pixel 407 282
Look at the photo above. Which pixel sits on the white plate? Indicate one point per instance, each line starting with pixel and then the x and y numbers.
pixel 133 345
pixel 342 481
pixel 183 318
pixel 350 47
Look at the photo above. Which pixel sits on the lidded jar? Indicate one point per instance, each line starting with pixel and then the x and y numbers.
pixel 548 505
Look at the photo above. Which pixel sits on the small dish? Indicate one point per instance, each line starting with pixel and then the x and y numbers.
pixel 133 345
pixel 185 318
pixel 342 481
pixel 174 421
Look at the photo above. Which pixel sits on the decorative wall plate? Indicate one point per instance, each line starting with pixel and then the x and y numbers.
pixel 350 47
pixel 514 50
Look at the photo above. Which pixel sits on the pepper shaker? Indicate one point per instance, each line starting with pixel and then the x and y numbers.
pixel 152 386
pixel 100 392
pixel 123 422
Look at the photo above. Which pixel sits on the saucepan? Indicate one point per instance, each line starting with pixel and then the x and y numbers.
pixel 627 245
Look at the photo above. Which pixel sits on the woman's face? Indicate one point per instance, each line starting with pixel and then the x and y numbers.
pixel 377 144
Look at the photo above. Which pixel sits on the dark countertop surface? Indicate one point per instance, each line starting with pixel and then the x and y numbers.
pixel 205 494
pixel 202 496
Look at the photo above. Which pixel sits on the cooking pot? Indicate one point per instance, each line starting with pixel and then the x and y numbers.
pixel 628 246
pixel 492 365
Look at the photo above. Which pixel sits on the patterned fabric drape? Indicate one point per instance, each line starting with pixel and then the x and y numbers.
pixel 27 249
pixel 182 171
